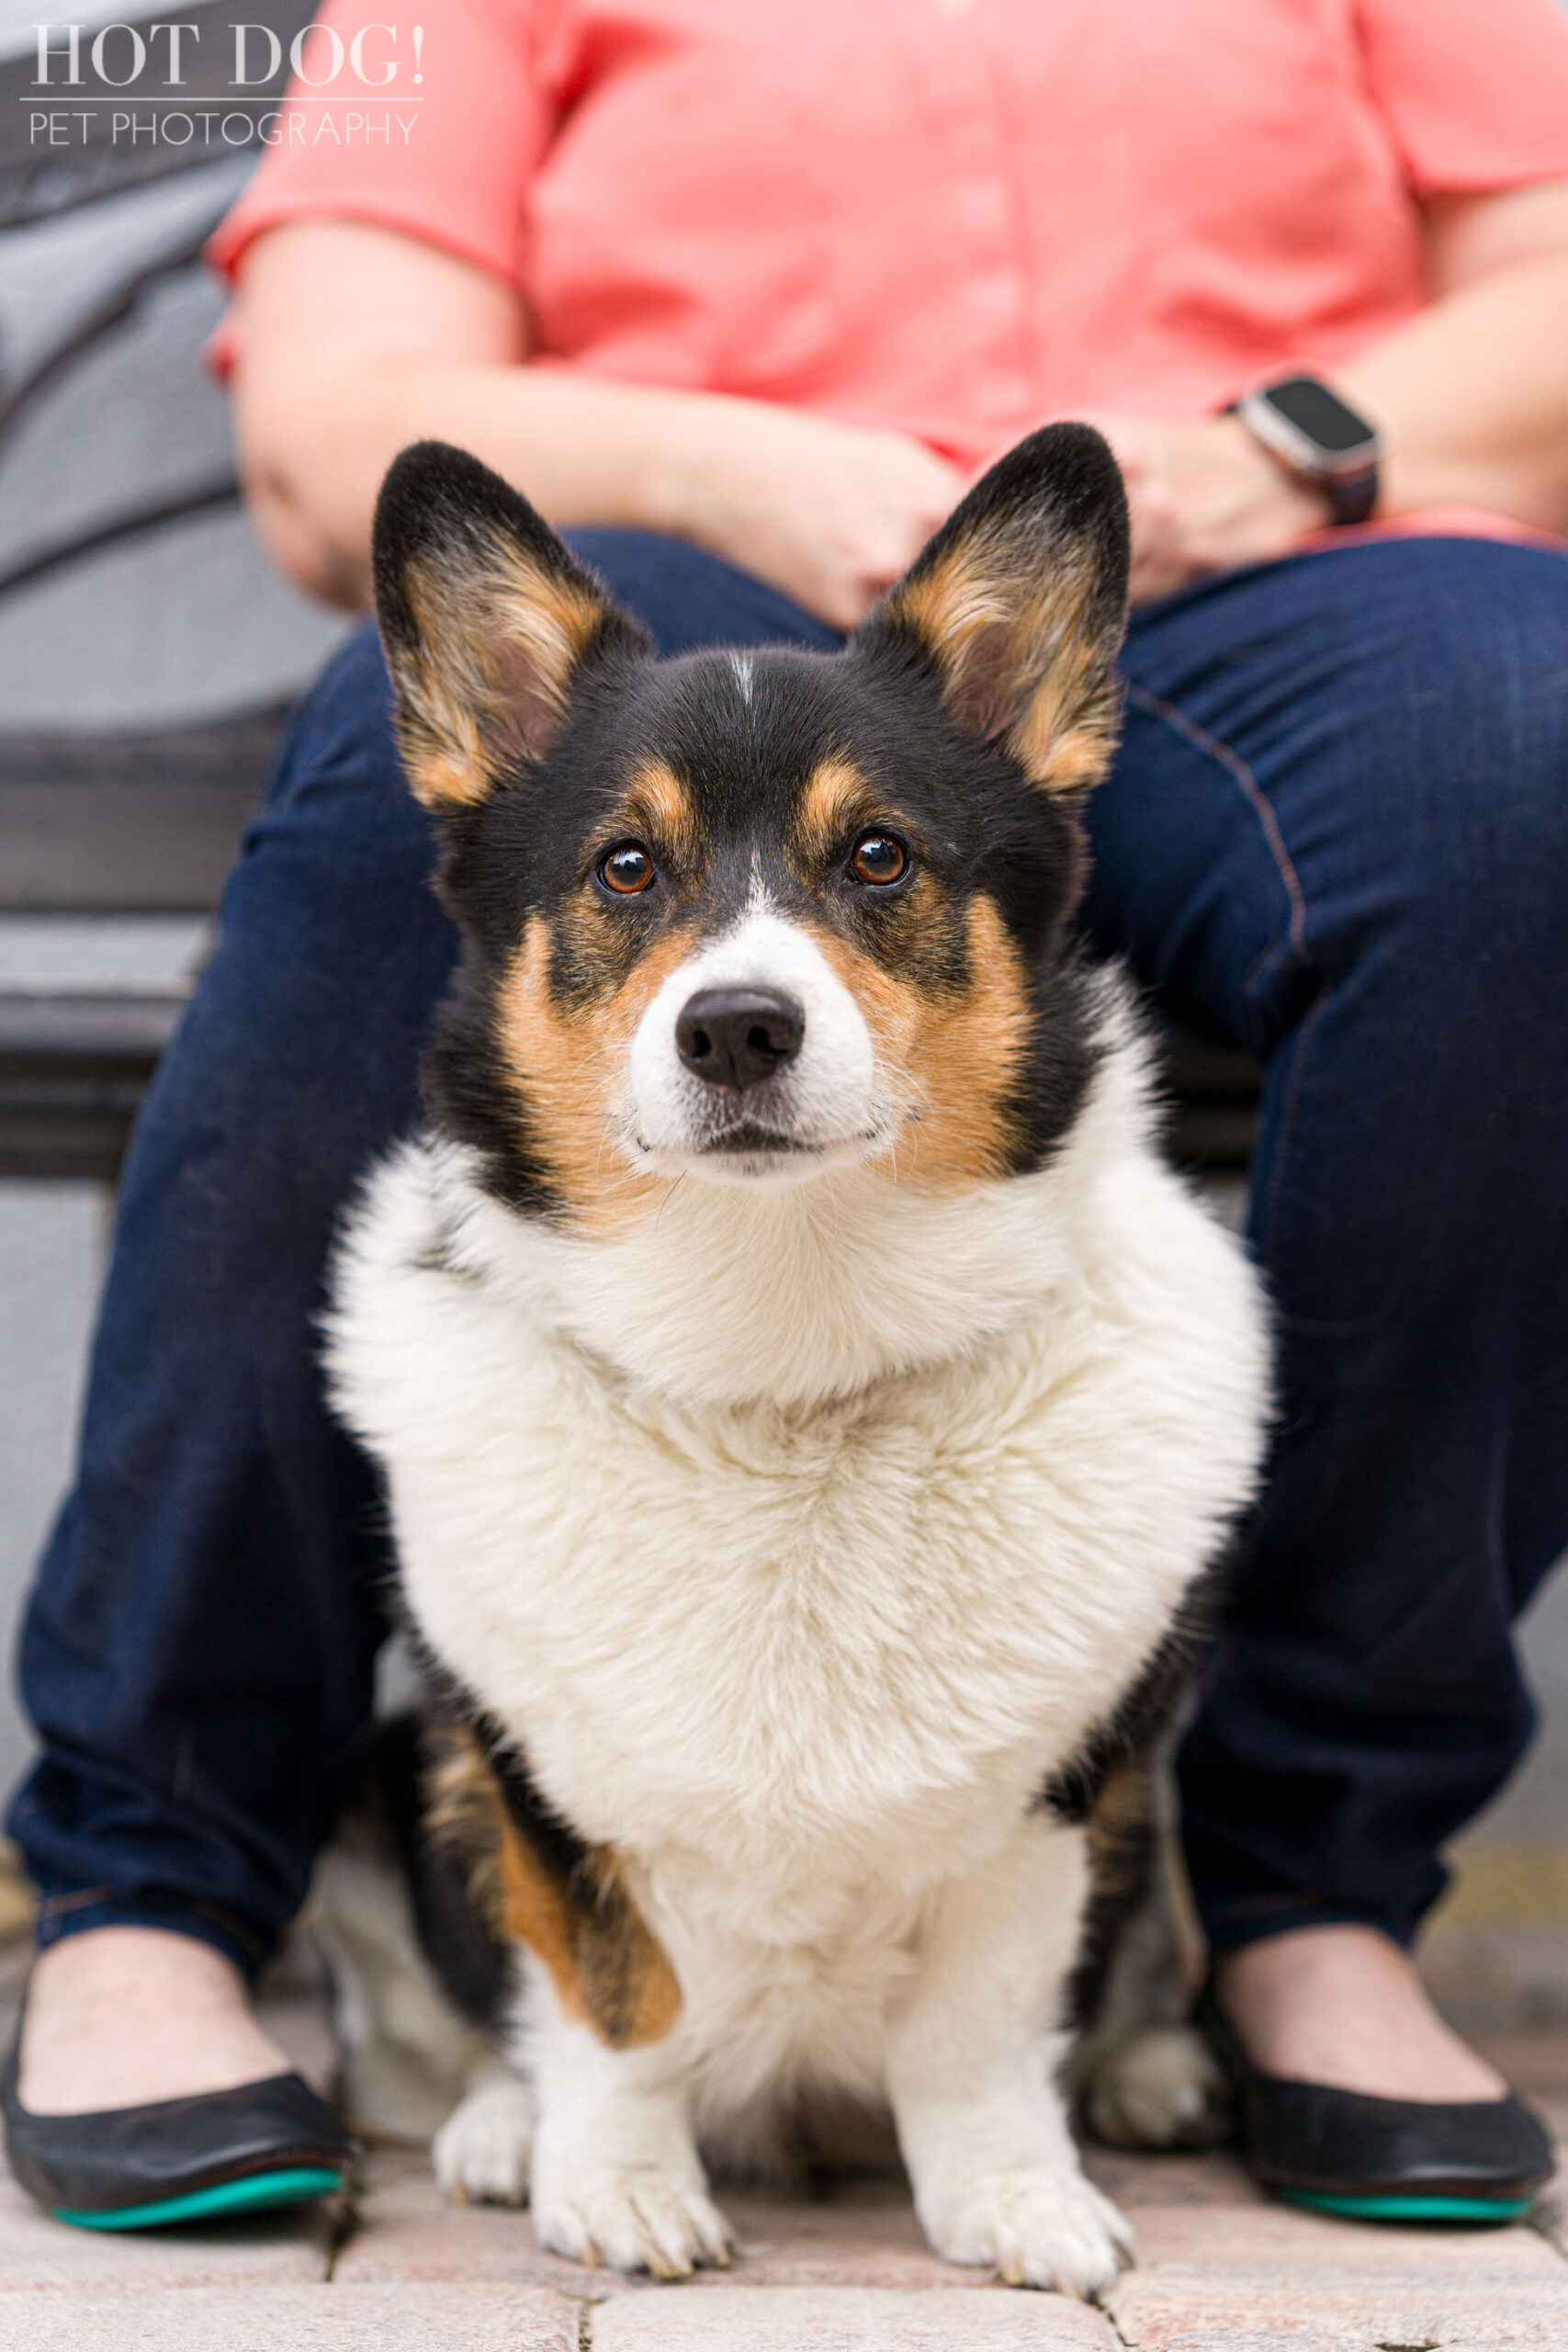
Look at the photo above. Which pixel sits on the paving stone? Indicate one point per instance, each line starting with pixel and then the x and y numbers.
pixel 1285 2244
pixel 1165 2314
pixel 272 2249
pixel 864 2236
pixel 407 2230
pixel 846 2319
pixel 1136 2181
pixel 291 2319
pixel 1198 2215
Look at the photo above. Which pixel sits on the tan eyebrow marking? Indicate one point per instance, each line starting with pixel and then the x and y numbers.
pixel 656 802
pixel 835 797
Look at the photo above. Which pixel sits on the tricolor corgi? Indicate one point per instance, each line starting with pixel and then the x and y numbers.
pixel 807 1404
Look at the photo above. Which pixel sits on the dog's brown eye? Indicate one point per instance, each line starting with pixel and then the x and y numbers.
pixel 626 870
pixel 879 859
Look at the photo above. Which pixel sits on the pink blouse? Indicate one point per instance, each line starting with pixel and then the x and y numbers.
pixel 953 217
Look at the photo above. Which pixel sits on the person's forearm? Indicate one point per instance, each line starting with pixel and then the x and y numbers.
pixel 585 451
pixel 1471 397
pixel 829 513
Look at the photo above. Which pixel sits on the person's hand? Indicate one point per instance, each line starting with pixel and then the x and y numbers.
pixel 827 513
pixel 1203 496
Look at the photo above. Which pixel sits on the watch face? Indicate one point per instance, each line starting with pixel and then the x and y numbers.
pixel 1313 409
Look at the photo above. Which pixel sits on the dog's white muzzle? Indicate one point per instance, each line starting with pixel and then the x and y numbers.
pixel 754 1062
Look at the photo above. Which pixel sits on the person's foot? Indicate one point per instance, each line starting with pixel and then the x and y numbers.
pixel 123 2017
pixel 1344 2007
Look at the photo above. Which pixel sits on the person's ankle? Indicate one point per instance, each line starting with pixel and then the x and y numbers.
pixel 125 2017
pixel 1343 2006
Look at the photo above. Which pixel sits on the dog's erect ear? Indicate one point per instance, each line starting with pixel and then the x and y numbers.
pixel 487 621
pixel 1020 603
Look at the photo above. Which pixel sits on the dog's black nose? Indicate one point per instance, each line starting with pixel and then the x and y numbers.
pixel 735 1036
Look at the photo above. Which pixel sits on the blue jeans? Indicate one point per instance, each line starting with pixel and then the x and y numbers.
pixel 1336 830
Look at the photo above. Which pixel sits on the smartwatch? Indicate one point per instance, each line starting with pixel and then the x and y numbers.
pixel 1319 438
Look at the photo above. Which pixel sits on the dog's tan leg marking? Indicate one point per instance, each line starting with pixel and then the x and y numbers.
pixel 608 1970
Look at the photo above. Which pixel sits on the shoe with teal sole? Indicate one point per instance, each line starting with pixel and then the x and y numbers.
pixel 210 2158
pixel 1477 2162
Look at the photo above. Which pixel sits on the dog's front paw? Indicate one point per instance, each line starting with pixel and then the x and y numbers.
pixel 482 2152
pixel 1162 2088
pixel 632 2218
pixel 1038 2225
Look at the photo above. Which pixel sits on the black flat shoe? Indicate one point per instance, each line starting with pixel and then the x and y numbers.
pixel 271 2143
pixel 1382 2159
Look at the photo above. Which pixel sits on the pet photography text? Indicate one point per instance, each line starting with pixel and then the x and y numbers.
pixel 155 85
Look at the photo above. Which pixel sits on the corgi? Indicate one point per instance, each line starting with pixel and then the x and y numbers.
pixel 807 1404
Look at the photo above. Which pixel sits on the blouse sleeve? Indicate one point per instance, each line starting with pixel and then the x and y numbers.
pixel 447 159
pixel 1475 91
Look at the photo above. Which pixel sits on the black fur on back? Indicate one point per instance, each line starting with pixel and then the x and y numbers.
pixel 474 1968
pixel 1108 1788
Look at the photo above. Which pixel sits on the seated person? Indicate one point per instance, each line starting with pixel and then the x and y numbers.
pixel 742 297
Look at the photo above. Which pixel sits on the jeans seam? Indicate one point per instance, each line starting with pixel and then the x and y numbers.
pixel 1264 1227
pixel 1241 774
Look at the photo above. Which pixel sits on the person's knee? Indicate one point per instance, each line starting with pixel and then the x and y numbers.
pixel 1462 840
pixel 298 1057
pixel 342 730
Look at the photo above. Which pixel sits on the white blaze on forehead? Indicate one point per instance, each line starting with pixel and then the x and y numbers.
pixel 745 675
pixel 827 1088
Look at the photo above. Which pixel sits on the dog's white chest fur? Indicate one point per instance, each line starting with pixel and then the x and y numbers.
pixel 801 1649
pixel 795 1539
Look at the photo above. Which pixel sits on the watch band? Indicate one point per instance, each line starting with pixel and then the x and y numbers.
pixel 1351 497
